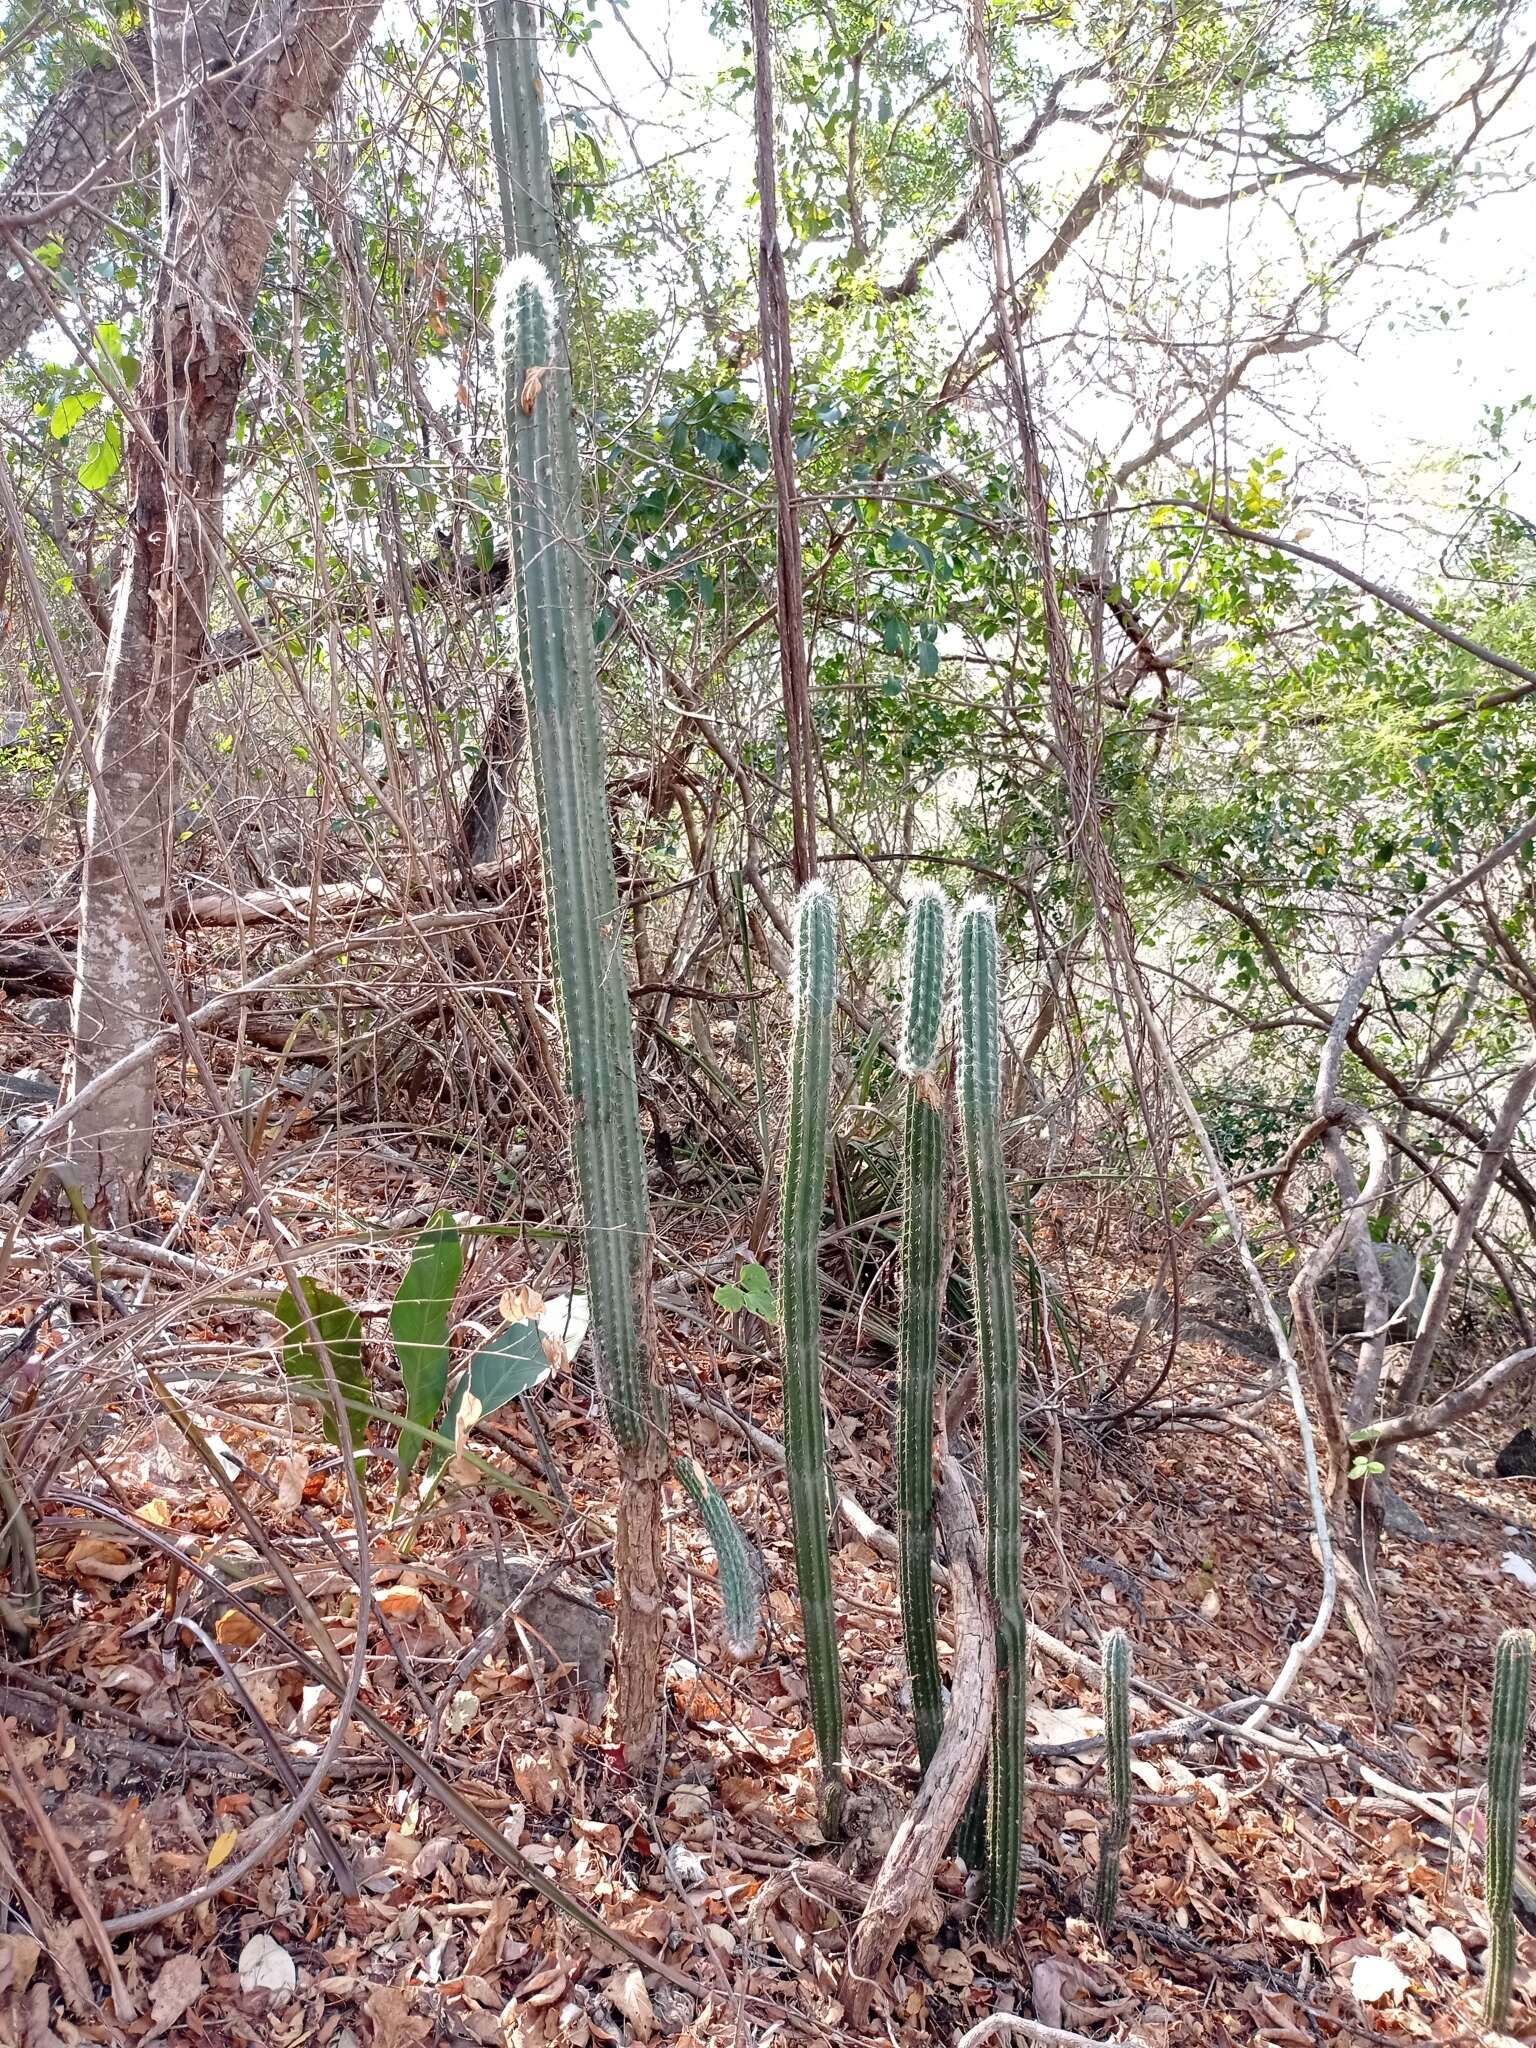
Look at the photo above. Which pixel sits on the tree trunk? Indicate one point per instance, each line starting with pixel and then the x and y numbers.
pixel 241 125
pixel 93 117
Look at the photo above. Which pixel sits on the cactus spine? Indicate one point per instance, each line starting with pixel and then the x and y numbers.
pixel 1115 1681
pixel 734 1558
pixel 922 1282
pixel 1506 1751
pixel 980 1091
pixel 805 1428
pixel 551 590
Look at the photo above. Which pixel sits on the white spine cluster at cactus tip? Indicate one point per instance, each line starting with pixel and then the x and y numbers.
pixel 517 272
pixel 922 1014
pixel 806 921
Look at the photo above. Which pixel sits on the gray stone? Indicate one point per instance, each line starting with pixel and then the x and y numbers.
pixel 28 1089
pixel 46 1013
pixel 564 1626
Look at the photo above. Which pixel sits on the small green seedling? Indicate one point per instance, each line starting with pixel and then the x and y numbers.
pixel 751 1290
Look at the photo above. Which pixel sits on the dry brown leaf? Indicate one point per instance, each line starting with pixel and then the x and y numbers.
pixel 628 1995
pixel 18 1959
pixel 400 1603
pixel 540 1780
pixel 394 2024
pixel 178 1984
pixel 292 1478
pixel 521 1304
pixel 460 1470
pixel 97 1557
pixel 235 1630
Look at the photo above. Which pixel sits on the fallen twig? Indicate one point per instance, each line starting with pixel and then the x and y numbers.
pixel 907 1873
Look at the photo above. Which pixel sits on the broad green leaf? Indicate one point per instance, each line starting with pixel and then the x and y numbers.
pixel 510 1364
pixel 105 457
pixel 731 1297
pixel 70 411
pixel 420 1322
pixel 340 1329
pixel 756 1279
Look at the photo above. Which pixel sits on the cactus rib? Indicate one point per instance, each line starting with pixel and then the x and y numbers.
pixel 805 1429
pixel 734 1559
pixel 1115 1678
pixel 922 1285
pixel 980 1092
pixel 1506 1752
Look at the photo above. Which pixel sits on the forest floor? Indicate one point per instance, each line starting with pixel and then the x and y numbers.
pixel 1296 1887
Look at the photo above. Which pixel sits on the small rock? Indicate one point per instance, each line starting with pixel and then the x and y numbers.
pixel 28 1089
pixel 563 1625
pixel 1517 1460
pixel 46 1013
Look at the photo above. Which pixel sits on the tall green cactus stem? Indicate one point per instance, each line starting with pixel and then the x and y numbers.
pixel 805 1427
pixel 737 1562
pixel 1506 1752
pixel 922 1286
pixel 980 1091
pixel 551 589
pixel 1115 1681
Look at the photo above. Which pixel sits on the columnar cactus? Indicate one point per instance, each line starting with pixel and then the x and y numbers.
pixel 805 1428
pixel 922 1285
pixel 551 590
pixel 1115 1679
pixel 734 1558
pixel 1506 1752
pixel 980 1092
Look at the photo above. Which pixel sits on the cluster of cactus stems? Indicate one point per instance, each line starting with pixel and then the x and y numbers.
pixel 554 618
pixel 922 1283
pixel 805 1428
pixel 979 1080
pixel 1115 1683
pixel 1506 1752
pixel 734 1558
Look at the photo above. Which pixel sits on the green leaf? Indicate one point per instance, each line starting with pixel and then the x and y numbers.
pixel 340 1330
pixel 732 1298
pixel 105 457
pixel 764 1307
pixel 756 1279
pixel 420 1321
pixel 512 1363
pixel 70 411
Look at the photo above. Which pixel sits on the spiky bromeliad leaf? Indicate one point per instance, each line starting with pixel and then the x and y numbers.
pixel 734 1558
pixel 923 1252
pixel 805 1430
pixel 980 1092
pixel 1115 1680
pixel 1506 1753
pixel 420 1322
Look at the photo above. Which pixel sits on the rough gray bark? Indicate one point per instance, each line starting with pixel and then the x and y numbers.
pixel 241 113
pixel 76 149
